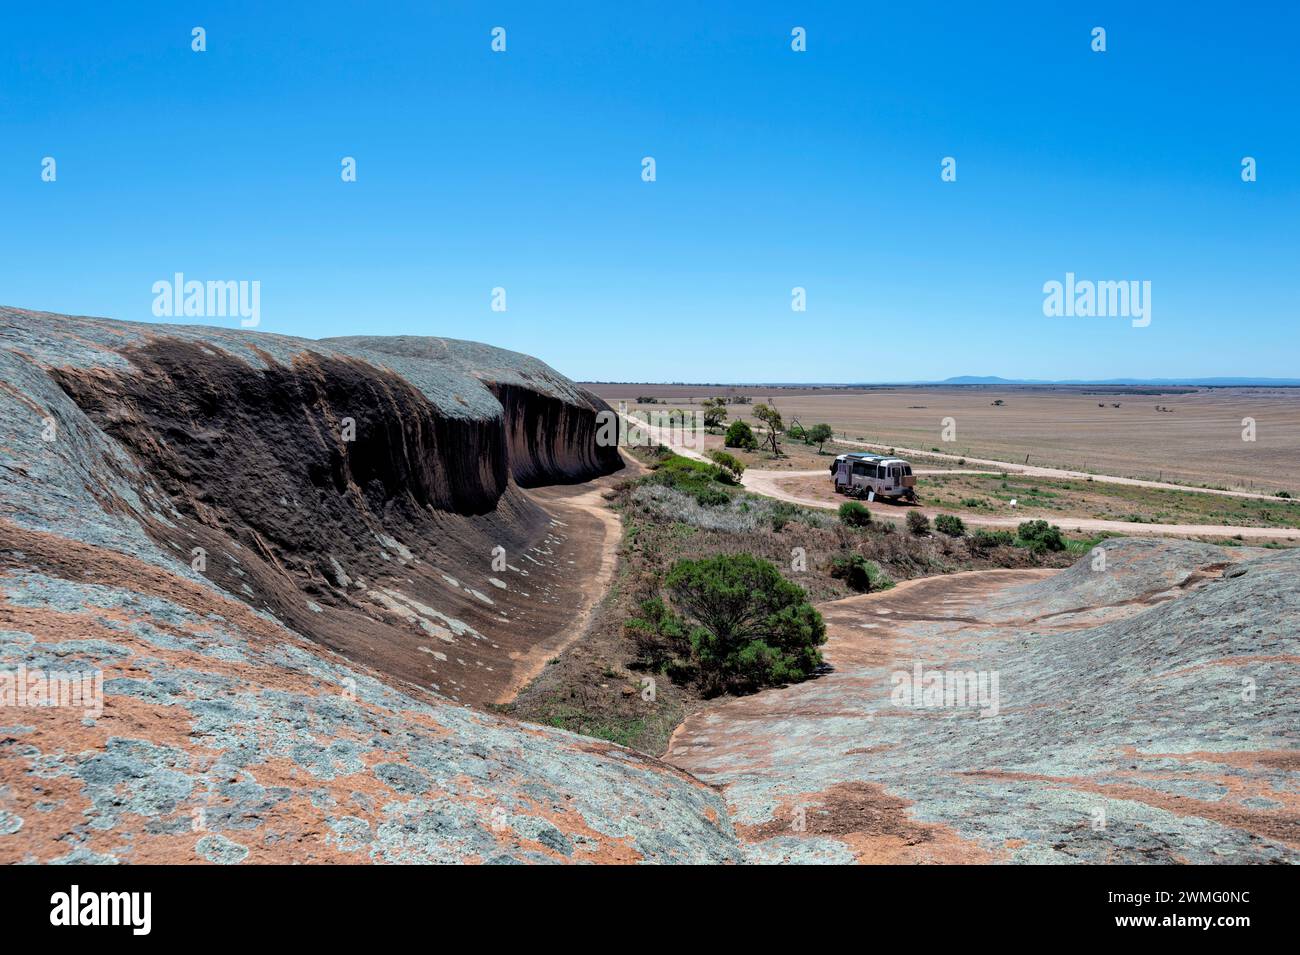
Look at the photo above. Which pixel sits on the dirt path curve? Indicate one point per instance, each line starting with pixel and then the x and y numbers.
pixel 765 483
pixel 1033 470
pixel 581 507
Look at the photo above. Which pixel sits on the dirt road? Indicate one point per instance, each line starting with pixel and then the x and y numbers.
pixel 1031 470
pixel 766 483
pixel 585 519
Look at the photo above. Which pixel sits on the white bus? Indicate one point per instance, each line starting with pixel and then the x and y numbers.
pixel 863 474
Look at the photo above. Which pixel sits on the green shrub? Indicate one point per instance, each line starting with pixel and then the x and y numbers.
pixel 1040 537
pixel 740 435
pixel 782 512
pixel 685 474
pixel 733 469
pixel 859 573
pixel 987 540
pixel 854 514
pixel 660 642
pixel 712 497
pixel 917 522
pixel 749 627
pixel 949 524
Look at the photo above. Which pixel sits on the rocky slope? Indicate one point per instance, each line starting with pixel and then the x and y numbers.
pixel 1148 712
pixel 277 555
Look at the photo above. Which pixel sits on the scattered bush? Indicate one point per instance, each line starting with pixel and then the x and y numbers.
pixel 746 626
pixel 715 411
pixel 987 540
pixel 949 524
pixel 854 514
pixel 712 497
pixel 917 523
pixel 1283 494
pixel 696 478
pixel 740 435
pixel 819 434
pixel 1040 537
pixel 859 573
pixel 732 467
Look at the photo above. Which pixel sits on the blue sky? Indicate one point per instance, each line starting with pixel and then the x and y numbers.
pixel 775 169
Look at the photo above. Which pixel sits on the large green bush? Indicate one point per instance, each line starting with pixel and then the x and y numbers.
pixel 987 540
pixel 917 522
pixel 740 435
pixel 742 626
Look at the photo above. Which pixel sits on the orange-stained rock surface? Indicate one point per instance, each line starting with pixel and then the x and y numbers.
pixel 296 695
pixel 1147 711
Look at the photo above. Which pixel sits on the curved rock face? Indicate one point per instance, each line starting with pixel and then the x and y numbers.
pixel 272 569
pixel 347 486
pixel 550 422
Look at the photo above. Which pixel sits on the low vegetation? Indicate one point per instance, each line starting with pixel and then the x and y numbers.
pixel 1040 537
pixel 859 573
pixel 854 514
pixel 949 524
pixel 732 467
pixel 740 435
pixel 683 570
pixel 739 626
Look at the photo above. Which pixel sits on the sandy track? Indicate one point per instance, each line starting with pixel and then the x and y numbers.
pixel 766 483
pixel 1032 470
pixel 597 530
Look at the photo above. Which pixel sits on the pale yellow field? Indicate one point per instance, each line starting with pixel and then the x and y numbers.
pixel 1199 441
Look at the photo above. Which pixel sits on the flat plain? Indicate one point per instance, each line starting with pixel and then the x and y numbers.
pixel 1200 439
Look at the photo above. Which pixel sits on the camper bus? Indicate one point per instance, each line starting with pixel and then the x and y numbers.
pixel 873 474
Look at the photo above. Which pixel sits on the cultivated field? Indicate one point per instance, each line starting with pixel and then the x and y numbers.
pixel 1197 441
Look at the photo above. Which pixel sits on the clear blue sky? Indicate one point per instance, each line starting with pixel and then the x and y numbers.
pixel 775 169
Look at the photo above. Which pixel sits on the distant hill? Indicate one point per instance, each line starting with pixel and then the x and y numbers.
pixel 1201 382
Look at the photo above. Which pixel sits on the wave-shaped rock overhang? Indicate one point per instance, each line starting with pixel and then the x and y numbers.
pixel 174 438
pixel 225 734
pixel 451 374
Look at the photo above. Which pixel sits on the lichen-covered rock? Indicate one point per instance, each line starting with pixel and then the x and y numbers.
pixel 290 697
pixel 1147 710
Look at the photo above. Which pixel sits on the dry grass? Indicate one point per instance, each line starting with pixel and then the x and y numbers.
pixel 1198 441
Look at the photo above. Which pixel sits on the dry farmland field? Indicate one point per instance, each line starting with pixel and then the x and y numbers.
pixel 1197 439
